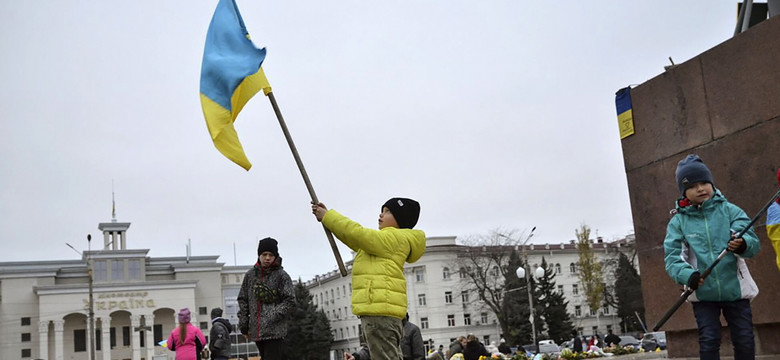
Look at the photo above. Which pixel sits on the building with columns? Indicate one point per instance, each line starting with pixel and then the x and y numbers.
pixel 443 311
pixel 44 305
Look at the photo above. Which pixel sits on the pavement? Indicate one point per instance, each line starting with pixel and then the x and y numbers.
pixel 664 355
pixel 642 356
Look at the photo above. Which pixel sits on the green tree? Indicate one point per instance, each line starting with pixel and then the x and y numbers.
pixel 308 334
pixel 628 294
pixel 590 270
pixel 516 327
pixel 551 305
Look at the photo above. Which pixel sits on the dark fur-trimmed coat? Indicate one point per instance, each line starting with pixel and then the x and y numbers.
pixel 265 301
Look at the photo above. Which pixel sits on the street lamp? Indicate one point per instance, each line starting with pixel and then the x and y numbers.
pixel 522 273
pixel 91 319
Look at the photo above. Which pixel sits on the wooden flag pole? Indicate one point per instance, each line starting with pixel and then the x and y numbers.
pixel 306 180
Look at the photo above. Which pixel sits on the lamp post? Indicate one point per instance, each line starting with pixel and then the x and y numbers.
pixel 522 273
pixel 91 302
pixel 91 316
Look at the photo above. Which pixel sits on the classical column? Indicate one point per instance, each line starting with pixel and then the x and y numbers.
pixel 135 336
pixel 105 331
pixel 59 348
pixel 149 321
pixel 43 339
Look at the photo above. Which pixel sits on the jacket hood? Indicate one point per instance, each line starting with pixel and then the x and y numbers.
pixel 685 206
pixel 417 246
pixel 223 321
pixel 276 265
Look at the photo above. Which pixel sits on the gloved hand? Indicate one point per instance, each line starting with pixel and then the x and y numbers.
pixel 693 281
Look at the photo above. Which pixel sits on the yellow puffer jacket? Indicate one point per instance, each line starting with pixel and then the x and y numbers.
pixel 378 282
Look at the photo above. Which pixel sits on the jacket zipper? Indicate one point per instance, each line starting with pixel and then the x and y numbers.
pixel 259 304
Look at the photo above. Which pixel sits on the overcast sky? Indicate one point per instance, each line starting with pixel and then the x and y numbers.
pixel 492 114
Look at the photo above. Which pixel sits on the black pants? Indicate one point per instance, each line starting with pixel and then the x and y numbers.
pixel 270 349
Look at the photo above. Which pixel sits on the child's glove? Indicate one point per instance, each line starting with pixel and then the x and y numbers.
pixel 693 281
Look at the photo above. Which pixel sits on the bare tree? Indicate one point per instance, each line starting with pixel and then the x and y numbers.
pixel 485 264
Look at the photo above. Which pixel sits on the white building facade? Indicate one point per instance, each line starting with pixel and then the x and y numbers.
pixel 44 305
pixel 438 304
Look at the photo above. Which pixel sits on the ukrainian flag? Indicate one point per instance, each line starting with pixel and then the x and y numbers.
pixel 773 225
pixel 624 111
pixel 230 75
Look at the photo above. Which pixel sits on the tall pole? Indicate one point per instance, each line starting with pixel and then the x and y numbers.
pixel 309 187
pixel 91 303
pixel 532 309
pixel 530 298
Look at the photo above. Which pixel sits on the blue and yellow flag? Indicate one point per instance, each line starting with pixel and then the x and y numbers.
pixel 624 112
pixel 230 75
pixel 773 225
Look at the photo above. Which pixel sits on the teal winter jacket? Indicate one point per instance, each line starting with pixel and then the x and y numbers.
pixel 696 235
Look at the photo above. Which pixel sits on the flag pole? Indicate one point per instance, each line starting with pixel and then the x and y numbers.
pixel 306 180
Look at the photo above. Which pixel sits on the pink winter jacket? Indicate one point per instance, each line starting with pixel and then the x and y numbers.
pixel 186 351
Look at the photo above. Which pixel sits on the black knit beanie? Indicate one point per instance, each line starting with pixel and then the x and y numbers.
pixel 690 171
pixel 405 211
pixel 268 244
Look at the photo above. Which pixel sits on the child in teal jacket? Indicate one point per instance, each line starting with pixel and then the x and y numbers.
pixel 702 226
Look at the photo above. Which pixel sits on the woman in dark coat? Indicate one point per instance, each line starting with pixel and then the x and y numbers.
pixel 474 349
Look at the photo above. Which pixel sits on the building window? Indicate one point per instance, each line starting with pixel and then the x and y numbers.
pixel 134 269
pixel 424 323
pixel 462 273
pixel 203 310
pixel 573 268
pixel 606 309
pixel 112 337
pixel 25 321
pixel 445 273
pixel 494 271
pixel 450 320
pixel 26 353
pixel 575 289
pixel 560 289
pixel 592 312
pixel 419 275
pixel 344 289
pixel 486 339
pixel 117 270
pixel 467 319
pixel 595 329
pixel 341 332
pixel 421 299
pixel 100 272
pixel 79 340
pixel 126 335
pixel 338 292
pixel 557 269
pixel 204 325
pixel 464 296
pixel 25 337
pixel 483 318
pixel 448 297
pixel 578 311
pixel 158 333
